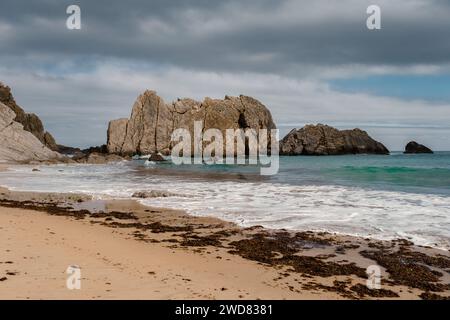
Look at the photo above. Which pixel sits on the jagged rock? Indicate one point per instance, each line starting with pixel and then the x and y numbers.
pixel 152 121
pixel 49 141
pixel 117 131
pixel 325 140
pixel 414 147
pixel 30 121
pixel 20 145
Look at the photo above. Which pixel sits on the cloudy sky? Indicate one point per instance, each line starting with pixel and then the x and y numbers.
pixel 307 61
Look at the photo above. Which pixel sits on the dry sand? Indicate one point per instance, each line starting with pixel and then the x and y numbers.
pixel 156 253
pixel 115 266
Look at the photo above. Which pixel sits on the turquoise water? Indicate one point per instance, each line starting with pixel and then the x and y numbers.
pixel 422 173
pixel 384 197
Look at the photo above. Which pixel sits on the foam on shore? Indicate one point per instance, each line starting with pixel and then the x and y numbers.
pixel 381 214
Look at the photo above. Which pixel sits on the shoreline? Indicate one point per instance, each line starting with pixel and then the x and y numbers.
pixel 239 263
pixel 377 230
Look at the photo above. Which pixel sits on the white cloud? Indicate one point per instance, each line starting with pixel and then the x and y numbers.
pixel 91 99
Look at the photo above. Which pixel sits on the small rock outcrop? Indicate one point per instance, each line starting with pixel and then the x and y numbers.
pixel 325 140
pixel 97 149
pixel 156 157
pixel 152 121
pixel 18 144
pixel 30 121
pixel 92 155
pixel 414 147
pixel 66 150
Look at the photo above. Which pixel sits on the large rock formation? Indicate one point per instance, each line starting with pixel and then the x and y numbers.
pixel 152 121
pixel 18 144
pixel 325 140
pixel 414 147
pixel 30 121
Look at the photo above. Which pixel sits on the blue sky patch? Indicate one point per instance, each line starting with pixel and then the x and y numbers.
pixel 423 87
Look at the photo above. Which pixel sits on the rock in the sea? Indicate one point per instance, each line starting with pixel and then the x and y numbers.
pixel 97 149
pixel 30 121
pixel 157 157
pixel 18 144
pixel 152 121
pixel 66 150
pixel 325 140
pixel 414 147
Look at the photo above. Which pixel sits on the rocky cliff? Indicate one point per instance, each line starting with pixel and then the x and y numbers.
pixel 152 121
pixel 30 121
pixel 414 147
pixel 325 140
pixel 18 144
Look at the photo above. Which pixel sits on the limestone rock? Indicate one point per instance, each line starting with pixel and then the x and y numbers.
pixel 325 140
pixel 414 147
pixel 30 121
pixel 117 131
pixel 152 121
pixel 18 144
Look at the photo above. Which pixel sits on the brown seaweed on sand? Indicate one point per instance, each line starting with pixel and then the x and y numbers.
pixel 282 249
pixel 411 268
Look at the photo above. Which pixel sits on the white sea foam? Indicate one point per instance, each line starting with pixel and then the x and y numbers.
pixel 422 218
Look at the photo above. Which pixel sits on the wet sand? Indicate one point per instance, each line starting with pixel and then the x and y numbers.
pixel 129 251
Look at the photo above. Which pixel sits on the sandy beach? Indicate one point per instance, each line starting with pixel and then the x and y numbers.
pixel 128 251
pixel 116 266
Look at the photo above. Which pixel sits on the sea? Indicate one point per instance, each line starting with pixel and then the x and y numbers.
pixel 376 196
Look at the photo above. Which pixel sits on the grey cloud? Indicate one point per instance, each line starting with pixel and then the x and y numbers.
pixel 262 36
pixel 275 50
